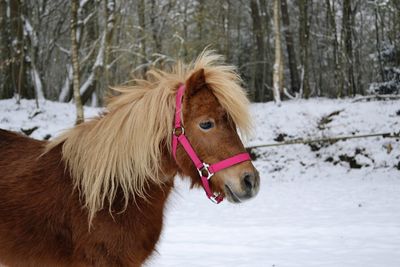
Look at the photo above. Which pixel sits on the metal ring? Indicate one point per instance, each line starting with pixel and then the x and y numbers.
pixel 205 168
pixel 178 131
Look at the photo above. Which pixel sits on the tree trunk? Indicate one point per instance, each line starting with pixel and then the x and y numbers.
pixel 110 17
pixel 142 23
pixel 92 30
pixel 6 88
pixel 378 43
pixel 335 45
pixel 278 66
pixel 75 61
pixel 268 50
pixel 396 30
pixel 183 50
pixel 347 47
pixel 304 36
pixel 294 74
pixel 32 51
pixel 258 68
pixel 100 65
pixel 357 35
pixel 18 66
pixel 154 27
pixel 66 93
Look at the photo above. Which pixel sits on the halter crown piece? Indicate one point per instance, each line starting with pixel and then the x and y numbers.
pixel 206 171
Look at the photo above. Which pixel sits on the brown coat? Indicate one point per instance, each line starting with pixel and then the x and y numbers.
pixel 42 220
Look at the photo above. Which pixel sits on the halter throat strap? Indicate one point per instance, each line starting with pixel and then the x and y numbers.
pixel 206 171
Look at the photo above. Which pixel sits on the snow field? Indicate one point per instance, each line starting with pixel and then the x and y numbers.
pixel 310 211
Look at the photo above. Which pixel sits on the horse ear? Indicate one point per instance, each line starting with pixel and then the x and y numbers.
pixel 196 81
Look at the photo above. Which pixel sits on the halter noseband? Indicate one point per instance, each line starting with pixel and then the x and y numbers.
pixel 206 171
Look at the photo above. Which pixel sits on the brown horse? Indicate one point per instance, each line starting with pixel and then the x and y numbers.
pixel 95 195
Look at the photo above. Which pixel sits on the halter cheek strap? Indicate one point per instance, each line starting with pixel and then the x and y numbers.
pixel 205 170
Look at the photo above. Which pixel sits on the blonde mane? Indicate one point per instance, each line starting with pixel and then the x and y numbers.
pixel 123 148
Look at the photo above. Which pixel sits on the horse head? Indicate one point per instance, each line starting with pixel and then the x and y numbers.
pixel 213 137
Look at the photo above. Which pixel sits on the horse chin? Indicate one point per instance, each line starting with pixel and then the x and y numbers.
pixel 231 196
pixel 235 196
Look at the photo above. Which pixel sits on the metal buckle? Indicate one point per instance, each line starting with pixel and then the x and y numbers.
pixel 213 198
pixel 178 131
pixel 204 171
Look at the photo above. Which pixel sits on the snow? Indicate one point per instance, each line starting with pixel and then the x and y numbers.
pixel 312 208
pixel 300 118
pixel 337 219
pixel 52 117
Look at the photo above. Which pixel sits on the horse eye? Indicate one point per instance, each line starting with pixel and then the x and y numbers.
pixel 206 125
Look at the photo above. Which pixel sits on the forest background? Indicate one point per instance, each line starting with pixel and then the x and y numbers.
pixel 331 48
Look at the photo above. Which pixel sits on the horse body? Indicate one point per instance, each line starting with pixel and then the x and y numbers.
pixel 42 222
pixel 95 195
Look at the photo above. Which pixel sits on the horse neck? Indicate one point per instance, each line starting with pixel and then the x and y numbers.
pixel 156 194
pixel 168 168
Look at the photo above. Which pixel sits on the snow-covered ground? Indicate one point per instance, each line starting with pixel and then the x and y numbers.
pixel 313 209
pixel 51 118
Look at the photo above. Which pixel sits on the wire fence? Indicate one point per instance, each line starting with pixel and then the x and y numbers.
pixel 326 139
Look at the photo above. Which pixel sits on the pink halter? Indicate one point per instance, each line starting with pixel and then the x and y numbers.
pixel 205 170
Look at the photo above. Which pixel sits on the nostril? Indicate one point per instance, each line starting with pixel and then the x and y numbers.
pixel 248 181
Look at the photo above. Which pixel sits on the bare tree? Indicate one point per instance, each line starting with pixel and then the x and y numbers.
pixel 378 41
pixel 291 52
pixel 304 37
pixel 335 44
pixel 19 73
pixel 75 61
pixel 32 53
pixel 6 89
pixel 258 57
pixel 278 65
pixel 142 24
pixel 100 66
pixel 347 48
pixel 66 92
pixel 328 44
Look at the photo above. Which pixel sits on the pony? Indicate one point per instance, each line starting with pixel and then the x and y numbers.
pixel 95 195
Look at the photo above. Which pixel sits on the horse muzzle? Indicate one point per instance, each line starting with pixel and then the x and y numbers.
pixel 247 187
